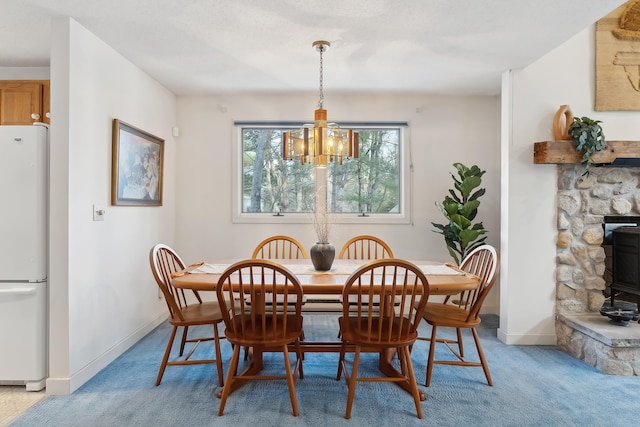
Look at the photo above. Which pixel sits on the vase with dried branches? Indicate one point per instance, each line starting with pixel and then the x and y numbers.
pixel 322 253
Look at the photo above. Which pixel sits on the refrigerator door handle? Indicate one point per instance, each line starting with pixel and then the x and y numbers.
pixel 18 291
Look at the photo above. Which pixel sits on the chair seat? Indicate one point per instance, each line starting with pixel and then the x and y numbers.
pixel 448 315
pixel 358 333
pixel 256 335
pixel 199 314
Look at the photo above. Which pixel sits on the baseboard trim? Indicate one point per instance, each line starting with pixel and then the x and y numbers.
pixel 66 386
pixel 528 339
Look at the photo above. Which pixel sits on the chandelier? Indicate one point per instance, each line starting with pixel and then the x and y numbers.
pixel 320 143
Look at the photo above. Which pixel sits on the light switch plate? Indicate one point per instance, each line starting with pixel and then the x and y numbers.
pixel 98 213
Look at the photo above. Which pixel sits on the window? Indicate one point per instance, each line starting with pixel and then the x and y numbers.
pixel 372 185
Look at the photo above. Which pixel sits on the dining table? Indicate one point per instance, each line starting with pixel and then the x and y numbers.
pixel 443 279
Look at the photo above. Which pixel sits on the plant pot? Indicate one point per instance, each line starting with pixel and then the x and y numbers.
pixel 322 255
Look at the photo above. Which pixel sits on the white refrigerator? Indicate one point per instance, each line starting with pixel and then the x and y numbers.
pixel 24 182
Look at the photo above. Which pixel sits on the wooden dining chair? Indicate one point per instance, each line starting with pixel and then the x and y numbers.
pixel 377 325
pixel 365 247
pixel 482 262
pixel 184 312
pixel 279 247
pixel 254 286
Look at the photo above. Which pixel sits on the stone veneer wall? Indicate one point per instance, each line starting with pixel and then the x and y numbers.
pixel 583 201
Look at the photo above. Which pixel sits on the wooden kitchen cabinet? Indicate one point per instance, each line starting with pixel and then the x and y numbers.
pixel 23 102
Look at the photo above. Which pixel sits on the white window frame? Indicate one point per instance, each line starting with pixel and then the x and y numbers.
pixel 405 187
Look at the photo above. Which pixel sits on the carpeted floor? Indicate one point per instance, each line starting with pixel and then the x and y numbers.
pixel 533 386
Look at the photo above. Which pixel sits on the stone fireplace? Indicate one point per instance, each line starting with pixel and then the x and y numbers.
pixel 583 269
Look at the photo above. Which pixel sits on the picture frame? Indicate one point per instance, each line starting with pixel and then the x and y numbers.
pixel 137 159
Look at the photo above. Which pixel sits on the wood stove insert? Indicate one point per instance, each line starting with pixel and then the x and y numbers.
pixel 626 262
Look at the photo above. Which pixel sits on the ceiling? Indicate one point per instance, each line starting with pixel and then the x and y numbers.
pixel 214 46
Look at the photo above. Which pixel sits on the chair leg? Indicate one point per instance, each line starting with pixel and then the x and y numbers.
pixel 290 380
pixel 402 360
pixel 406 355
pixel 216 343
pixel 460 346
pixel 341 360
pixel 185 330
pixel 352 382
pixel 165 358
pixel 226 390
pixel 432 351
pixel 299 358
pixel 483 361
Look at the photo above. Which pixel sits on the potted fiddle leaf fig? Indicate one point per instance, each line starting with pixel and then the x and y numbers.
pixel 460 208
pixel 587 137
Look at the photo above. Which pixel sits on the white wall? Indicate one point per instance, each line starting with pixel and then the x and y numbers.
pixel 24 73
pixel 442 130
pixel 102 295
pixel 564 76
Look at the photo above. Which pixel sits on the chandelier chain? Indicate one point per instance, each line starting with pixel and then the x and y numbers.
pixel 321 100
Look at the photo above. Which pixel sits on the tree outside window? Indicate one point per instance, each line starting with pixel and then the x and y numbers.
pixel 370 184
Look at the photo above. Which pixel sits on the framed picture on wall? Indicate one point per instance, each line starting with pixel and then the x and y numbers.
pixel 618 59
pixel 137 166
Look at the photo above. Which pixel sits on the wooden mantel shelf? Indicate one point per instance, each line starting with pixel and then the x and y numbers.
pixel 546 152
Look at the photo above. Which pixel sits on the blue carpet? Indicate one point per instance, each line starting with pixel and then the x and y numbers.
pixel 533 386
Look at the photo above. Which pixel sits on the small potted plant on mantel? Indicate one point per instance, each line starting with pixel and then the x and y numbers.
pixel 588 138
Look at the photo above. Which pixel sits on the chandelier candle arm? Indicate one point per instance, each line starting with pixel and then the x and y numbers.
pixel 321 142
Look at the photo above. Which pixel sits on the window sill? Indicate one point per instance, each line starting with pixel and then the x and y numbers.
pixel 295 218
